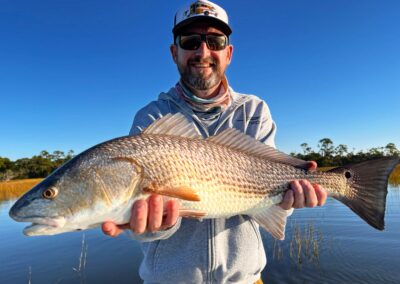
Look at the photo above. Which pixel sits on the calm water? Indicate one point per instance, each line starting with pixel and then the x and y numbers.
pixel 336 247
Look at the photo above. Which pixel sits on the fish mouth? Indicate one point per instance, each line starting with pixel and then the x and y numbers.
pixel 42 225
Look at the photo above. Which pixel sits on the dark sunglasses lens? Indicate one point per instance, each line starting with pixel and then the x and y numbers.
pixel 190 42
pixel 215 42
pixel 193 42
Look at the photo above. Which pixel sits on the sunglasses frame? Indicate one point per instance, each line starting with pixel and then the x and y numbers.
pixel 203 38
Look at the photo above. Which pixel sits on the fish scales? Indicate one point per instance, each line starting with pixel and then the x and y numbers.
pixel 226 179
pixel 199 165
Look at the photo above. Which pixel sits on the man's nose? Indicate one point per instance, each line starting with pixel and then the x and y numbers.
pixel 203 50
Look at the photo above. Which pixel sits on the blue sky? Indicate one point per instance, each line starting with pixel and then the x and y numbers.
pixel 73 73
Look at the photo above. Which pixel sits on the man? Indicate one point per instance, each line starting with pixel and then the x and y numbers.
pixel 181 250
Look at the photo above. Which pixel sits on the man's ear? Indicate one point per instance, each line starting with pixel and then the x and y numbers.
pixel 229 54
pixel 173 50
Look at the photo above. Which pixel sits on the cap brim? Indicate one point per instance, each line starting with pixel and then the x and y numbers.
pixel 226 29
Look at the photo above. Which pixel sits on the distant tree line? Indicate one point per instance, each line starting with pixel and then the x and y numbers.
pixel 328 154
pixel 38 166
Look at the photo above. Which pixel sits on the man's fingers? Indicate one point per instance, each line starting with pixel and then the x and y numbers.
pixel 138 221
pixel 298 194
pixel 312 165
pixel 172 214
pixel 288 200
pixel 309 193
pixel 321 194
pixel 147 215
pixel 155 214
pixel 113 230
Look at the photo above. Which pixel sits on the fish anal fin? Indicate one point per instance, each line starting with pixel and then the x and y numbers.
pixel 181 192
pixel 273 220
pixel 195 214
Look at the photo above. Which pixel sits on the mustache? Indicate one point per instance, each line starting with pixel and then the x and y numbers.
pixel 207 60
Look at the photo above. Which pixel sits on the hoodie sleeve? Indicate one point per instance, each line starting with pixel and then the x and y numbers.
pixel 144 118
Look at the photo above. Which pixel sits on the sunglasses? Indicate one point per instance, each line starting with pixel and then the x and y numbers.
pixel 193 41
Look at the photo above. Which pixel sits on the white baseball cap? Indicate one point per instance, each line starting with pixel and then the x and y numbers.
pixel 202 10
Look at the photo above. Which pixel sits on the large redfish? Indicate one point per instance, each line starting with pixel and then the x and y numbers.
pixel 222 176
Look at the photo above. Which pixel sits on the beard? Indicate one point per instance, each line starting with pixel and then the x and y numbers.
pixel 199 80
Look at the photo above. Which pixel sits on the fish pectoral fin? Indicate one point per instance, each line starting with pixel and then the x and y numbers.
pixel 181 192
pixel 196 214
pixel 273 220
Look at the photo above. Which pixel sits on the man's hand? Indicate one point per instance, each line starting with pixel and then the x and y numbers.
pixel 147 216
pixel 304 194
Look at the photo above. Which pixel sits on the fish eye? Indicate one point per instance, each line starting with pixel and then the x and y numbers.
pixel 50 193
pixel 348 175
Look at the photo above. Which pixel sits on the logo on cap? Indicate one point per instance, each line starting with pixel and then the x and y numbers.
pixel 199 8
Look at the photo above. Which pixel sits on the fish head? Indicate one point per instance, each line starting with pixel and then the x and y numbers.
pixel 77 195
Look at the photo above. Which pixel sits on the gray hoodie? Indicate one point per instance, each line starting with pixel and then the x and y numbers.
pixel 211 250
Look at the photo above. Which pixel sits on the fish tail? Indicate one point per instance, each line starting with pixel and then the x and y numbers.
pixel 368 189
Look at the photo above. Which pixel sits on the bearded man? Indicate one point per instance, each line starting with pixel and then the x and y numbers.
pixel 182 250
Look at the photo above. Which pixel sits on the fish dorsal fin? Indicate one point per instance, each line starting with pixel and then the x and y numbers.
pixel 237 140
pixel 174 125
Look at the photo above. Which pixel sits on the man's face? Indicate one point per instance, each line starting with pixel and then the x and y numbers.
pixel 201 69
